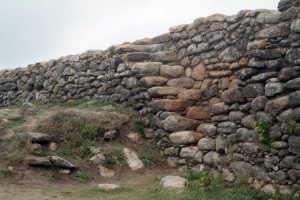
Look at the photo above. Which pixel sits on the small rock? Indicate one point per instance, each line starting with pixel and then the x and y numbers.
pixel 228 176
pixel 173 182
pixel 64 171
pixel 52 146
pixel 109 187
pixel 269 189
pixel 133 160
pixel 133 136
pixel 105 172
pixel 110 135
pixel 36 148
pixel 97 159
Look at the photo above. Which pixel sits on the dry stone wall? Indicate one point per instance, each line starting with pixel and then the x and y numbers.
pixel 201 89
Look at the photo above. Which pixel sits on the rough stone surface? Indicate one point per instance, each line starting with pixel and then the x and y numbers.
pixel 133 160
pixel 185 137
pixel 173 182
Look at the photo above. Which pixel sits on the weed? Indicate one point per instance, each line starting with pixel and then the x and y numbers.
pixel 49 177
pixel 194 175
pixel 138 126
pixel 46 153
pixel 114 156
pixel 291 127
pixel 85 149
pixel 148 160
pixel 6 173
pixel 64 151
pixel 82 177
pixel 263 127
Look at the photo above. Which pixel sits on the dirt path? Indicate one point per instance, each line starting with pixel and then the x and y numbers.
pixel 134 184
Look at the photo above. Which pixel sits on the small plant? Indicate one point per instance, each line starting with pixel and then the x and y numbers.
pixel 114 156
pixel 263 127
pixel 6 173
pixel 49 177
pixel 148 160
pixel 291 127
pixel 46 153
pixel 64 151
pixel 82 177
pixel 198 181
pixel 193 175
pixel 138 126
pixel 85 149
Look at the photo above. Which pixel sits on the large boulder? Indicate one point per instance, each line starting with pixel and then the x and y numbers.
pixel 172 71
pixel 185 137
pixel 147 68
pixel 151 81
pixel 199 113
pixel 170 105
pixel 241 169
pixel 178 123
pixel 164 91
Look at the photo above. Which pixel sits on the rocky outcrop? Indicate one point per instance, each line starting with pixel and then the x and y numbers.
pixel 205 83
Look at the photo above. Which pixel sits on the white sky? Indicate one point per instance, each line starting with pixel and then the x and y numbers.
pixel 39 30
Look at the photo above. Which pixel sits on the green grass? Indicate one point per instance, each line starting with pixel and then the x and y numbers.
pixel 82 177
pixel 291 127
pixel 200 187
pixel 148 159
pixel 138 126
pixel 49 177
pixel 6 173
pixel 61 151
pixel 114 156
pixel 263 127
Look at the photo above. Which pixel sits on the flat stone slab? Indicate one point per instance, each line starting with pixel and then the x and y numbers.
pixel 36 137
pixel 133 160
pixel 109 187
pixel 60 162
pixel 38 161
pixel 173 182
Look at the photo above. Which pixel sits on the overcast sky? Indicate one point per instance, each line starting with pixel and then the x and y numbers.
pixel 39 30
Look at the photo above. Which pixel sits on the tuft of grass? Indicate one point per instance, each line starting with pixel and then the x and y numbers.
pixel 291 127
pixel 65 151
pixel 263 127
pixel 51 178
pixel 6 173
pixel 82 177
pixel 148 159
pixel 138 126
pixel 85 149
pixel 114 156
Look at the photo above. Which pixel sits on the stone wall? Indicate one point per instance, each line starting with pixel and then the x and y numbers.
pixel 201 89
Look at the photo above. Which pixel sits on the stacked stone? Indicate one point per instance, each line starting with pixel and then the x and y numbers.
pixel 200 88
